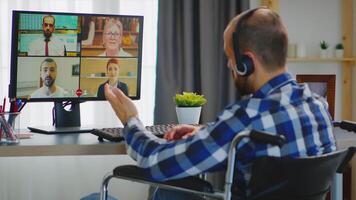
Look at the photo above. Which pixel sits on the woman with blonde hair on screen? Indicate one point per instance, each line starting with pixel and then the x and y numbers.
pixel 112 39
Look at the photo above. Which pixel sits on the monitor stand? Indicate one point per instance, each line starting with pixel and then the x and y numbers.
pixel 66 121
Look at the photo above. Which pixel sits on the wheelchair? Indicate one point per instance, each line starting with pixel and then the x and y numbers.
pixel 272 178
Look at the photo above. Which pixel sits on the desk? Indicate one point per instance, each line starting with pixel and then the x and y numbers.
pixel 88 144
pixel 61 145
pixel 65 166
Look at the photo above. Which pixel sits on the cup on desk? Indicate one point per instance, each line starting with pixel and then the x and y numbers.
pixel 9 127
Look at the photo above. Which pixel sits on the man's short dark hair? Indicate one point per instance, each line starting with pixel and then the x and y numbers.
pixel 47 60
pixel 54 19
pixel 265 35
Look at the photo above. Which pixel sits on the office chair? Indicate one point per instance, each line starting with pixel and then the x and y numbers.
pixel 274 178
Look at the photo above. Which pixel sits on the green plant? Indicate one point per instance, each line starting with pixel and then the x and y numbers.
pixel 189 99
pixel 324 45
pixel 339 46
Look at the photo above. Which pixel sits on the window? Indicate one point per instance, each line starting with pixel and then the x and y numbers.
pixel 91 112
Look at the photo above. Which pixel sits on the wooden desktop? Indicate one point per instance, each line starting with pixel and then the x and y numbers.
pixel 62 144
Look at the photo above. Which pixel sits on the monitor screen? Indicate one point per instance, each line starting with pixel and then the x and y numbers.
pixel 71 56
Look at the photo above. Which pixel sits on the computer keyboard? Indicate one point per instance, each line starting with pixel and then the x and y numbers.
pixel 116 134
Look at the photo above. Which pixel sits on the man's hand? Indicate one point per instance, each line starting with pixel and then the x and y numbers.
pixel 180 132
pixel 122 105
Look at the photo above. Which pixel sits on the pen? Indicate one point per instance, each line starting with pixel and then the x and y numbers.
pixel 22 105
pixel 0 124
pixel 13 110
pixel 11 105
pixel 15 107
pixel 8 131
pixel 18 105
pixel 3 105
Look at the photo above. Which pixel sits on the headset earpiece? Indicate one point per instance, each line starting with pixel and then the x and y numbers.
pixel 246 66
pixel 244 63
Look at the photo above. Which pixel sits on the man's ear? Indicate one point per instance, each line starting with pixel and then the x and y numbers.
pixel 254 59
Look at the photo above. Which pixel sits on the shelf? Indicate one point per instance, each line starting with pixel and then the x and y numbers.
pixel 104 77
pixel 317 59
pixel 134 46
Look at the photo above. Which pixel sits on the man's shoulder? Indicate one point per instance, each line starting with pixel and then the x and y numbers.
pixel 272 102
pixel 56 39
pixel 36 42
pixel 124 53
pixel 102 54
pixel 59 88
pixel 101 86
pixel 37 93
pixel 60 91
pixel 121 84
pixel 236 109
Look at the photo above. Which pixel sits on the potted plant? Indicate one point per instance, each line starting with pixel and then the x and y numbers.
pixel 339 50
pixel 324 49
pixel 188 107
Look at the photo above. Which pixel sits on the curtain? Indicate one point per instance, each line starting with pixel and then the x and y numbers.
pixel 191 57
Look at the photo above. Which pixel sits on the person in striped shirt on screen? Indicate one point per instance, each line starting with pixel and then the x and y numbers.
pixel 255 43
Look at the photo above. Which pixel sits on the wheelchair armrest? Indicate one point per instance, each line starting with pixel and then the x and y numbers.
pixel 138 174
pixel 264 137
pixel 346 125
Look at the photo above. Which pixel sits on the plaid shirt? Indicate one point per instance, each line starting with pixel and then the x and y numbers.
pixel 281 106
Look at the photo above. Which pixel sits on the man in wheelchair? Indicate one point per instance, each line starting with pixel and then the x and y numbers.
pixel 255 43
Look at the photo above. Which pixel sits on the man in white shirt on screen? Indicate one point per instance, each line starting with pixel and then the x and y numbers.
pixel 48 77
pixel 48 44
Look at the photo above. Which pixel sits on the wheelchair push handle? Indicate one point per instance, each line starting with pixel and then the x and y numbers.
pixel 267 138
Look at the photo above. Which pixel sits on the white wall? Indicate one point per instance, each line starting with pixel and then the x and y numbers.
pixel 72 177
pixel 63 178
pixel 308 22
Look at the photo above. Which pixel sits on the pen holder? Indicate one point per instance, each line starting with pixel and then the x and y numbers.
pixel 9 126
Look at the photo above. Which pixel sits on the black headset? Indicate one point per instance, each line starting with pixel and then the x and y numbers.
pixel 244 64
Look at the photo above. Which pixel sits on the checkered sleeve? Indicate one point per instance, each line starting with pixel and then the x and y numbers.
pixel 205 151
pixel 281 106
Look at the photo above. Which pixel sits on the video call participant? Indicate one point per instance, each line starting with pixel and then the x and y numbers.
pixel 48 72
pixel 48 44
pixel 112 72
pixel 276 104
pixel 112 39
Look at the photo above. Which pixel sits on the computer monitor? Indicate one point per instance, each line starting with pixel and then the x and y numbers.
pixel 68 57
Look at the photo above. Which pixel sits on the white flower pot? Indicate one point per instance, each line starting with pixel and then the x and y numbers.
pixel 339 53
pixel 188 115
pixel 324 53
